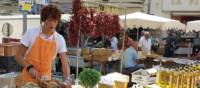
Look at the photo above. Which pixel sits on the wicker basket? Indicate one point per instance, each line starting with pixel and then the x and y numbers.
pixel 143 54
pixel 97 54
pixel 100 58
pixel 87 57
pixel 101 54
pixel 85 51
pixel 86 54
pixel 101 51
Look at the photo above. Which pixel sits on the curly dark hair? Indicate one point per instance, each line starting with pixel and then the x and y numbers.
pixel 50 11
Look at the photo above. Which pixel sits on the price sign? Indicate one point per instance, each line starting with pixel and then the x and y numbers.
pixel 26 7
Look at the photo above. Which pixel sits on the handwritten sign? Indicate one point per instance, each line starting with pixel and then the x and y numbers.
pixel 26 7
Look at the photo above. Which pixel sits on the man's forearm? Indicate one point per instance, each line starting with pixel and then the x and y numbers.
pixel 65 69
pixel 65 65
pixel 20 56
pixel 21 61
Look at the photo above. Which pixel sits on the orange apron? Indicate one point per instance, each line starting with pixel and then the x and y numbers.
pixel 41 56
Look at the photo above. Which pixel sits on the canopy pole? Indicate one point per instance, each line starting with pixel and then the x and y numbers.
pixel 137 34
pixel 123 42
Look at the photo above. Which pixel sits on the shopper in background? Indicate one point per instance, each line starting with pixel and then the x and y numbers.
pixel 169 45
pixel 145 43
pixel 39 47
pixel 114 43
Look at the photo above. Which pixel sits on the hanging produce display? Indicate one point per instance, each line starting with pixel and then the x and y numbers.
pixel 107 24
pixel 74 24
pixel 91 23
pixel 87 22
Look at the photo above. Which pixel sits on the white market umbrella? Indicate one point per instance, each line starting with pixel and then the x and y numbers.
pixel 193 25
pixel 139 19
pixel 177 25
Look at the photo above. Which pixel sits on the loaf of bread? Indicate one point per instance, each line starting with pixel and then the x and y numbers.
pixel 50 84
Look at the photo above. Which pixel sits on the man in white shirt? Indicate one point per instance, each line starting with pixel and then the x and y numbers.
pixel 114 43
pixel 145 42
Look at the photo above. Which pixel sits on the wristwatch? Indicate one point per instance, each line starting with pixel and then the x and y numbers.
pixel 29 67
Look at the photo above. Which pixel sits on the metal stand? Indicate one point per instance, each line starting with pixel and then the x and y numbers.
pixel 77 58
pixel 189 50
pixel 24 21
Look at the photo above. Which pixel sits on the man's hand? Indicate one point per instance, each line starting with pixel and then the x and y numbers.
pixel 34 73
pixel 138 61
pixel 67 84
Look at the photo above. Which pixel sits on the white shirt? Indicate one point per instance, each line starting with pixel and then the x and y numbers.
pixel 144 44
pixel 30 36
pixel 114 43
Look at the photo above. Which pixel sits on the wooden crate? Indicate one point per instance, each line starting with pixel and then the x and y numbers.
pixel 1 50
pixel 9 49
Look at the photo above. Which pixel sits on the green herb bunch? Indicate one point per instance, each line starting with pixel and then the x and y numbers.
pixel 89 77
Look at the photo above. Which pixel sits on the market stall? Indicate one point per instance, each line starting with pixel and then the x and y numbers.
pixel 157 25
pixel 189 39
pixel 193 25
pixel 139 19
pixel 102 56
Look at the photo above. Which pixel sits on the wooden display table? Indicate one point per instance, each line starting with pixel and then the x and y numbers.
pixel 101 55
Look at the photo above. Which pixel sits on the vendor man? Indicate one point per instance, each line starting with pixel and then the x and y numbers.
pixel 145 43
pixel 39 47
